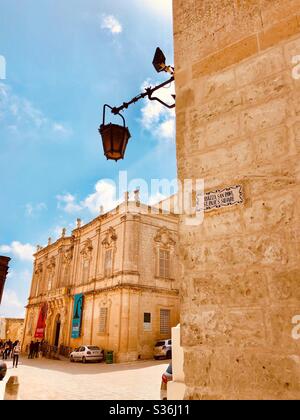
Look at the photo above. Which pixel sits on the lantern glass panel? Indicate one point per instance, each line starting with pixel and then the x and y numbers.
pixel 115 139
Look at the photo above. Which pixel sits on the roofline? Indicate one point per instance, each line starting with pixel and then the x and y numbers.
pixel 114 212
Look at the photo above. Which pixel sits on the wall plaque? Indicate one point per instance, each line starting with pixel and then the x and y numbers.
pixel 227 197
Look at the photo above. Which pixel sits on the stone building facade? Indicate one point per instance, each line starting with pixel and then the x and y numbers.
pixel 238 125
pixel 124 263
pixel 4 261
pixel 11 329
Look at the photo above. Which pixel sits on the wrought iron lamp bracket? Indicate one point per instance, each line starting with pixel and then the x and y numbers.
pixel 148 93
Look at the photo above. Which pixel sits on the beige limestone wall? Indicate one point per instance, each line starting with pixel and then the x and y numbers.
pixel 11 328
pixel 238 119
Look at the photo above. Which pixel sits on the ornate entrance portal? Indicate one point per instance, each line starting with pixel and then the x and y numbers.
pixel 57 327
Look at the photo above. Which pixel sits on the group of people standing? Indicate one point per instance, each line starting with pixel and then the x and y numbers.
pixel 8 349
pixel 36 348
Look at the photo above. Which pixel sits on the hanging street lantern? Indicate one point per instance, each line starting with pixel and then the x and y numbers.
pixel 115 137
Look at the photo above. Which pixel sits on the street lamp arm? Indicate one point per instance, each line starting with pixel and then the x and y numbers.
pixel 148 93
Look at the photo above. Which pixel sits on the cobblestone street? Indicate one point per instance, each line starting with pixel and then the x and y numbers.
pixel 51 380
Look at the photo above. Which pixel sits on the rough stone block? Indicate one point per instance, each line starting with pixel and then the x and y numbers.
pixel 231 288
pixel 226 57
pixel 279 32
pixel 222 130
pixel 260 67
pixel 237 155
pixel 277 85
pixel 215 86
pixel 213 327
pixel 276 140
pixel 268 115
pixel 273 11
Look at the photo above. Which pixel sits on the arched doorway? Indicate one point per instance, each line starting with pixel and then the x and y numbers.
pixel 57 327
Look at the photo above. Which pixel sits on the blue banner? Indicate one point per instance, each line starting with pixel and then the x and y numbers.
pixel 77 316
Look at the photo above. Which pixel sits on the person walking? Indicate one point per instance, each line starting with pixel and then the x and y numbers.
pixel 6 351
pixel 16 354
pixel 36 349
pixel 31 350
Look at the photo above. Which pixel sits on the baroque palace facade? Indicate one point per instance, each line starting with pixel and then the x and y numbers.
pixel 122 268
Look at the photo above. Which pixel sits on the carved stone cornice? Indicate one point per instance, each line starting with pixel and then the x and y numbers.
pixel 133 287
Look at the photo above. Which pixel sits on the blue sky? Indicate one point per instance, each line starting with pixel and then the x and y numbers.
pixel 64 60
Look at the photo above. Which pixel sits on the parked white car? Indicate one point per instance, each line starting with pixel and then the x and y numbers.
pixel 86 354
pixel 163 349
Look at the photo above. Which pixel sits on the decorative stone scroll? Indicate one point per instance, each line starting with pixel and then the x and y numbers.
pixel 164 237
pixel 227 197
pixel 110 238
pixel 87 249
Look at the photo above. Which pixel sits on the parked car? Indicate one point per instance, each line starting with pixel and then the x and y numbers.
pixel 166 377
pixel 86 354
pixel 163 349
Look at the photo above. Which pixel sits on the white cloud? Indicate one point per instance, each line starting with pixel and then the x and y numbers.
pixel 61 129
pixel 11 305
pixel 157 118
pixel 19 115
pixel 33 209
pixel 68 203
pixel 112 24
pixel 104 195
pixel 15 293
pixel 161 7
pixel 167 129
pixel 23 252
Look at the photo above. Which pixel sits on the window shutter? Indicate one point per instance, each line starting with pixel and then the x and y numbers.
pixel 164 263
pixel 165 321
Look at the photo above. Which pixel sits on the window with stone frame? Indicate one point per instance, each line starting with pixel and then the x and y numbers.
pixel 86 253
pixel 85 270
pixel 108 262
pixel 165 322
pixel 103 313
pixel 164 263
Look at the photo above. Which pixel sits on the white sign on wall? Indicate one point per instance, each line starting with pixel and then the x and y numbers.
pixel 227 197
pixel 147 322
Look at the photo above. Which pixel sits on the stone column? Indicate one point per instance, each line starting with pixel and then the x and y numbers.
pixel 238 125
